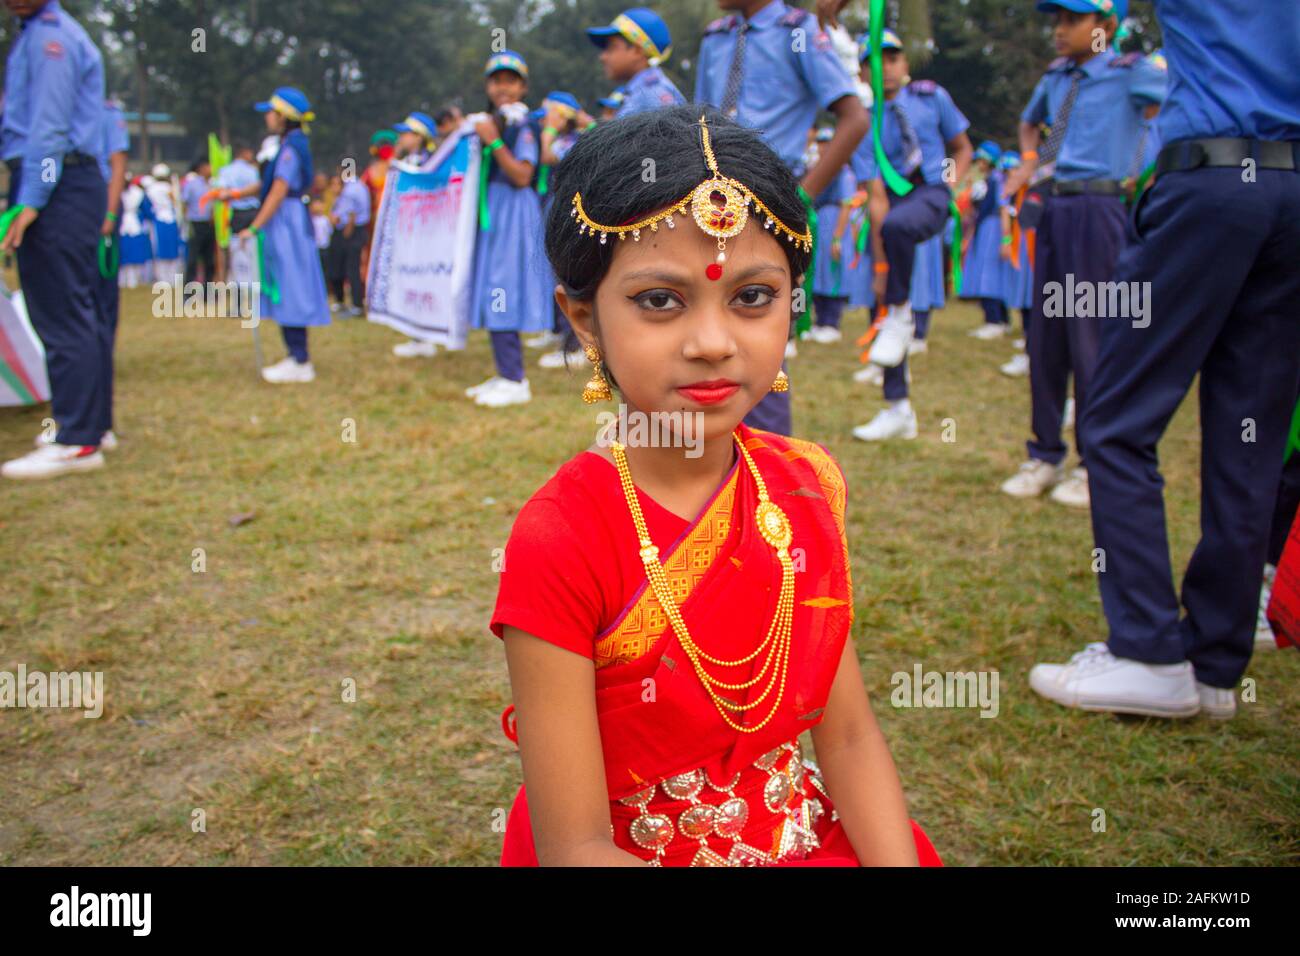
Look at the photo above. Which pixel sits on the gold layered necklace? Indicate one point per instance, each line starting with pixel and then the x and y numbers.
pixel 774 526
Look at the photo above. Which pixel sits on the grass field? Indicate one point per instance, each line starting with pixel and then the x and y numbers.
pixel 372 561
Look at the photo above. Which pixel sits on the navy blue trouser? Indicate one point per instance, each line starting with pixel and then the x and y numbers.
pixel 508 353
pixel 916 217
pixel 1079 242
pixel 59 272
pixel 896 378
pixel 1220 255
pixel 295 340
pixel 995 312
pixel 773 413
pixel 829 309
pixel 107 299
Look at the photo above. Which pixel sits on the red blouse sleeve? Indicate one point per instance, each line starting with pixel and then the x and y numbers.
pixel 549 587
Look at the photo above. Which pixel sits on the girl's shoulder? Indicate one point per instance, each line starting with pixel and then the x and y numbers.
pixel 806 455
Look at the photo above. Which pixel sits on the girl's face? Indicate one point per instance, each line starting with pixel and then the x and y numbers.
pixel 274 122
pixel 1078 34
pixel 505 87
pixel 676 340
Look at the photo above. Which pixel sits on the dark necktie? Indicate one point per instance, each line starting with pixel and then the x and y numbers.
pixel 1056 138
pixel 911 144
pixel 731 95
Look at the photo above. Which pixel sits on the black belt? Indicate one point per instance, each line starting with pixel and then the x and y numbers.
pixel 1222 152
pixel 69 159
pixel 1091 187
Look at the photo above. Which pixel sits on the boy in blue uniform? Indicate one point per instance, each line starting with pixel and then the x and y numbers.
pixel 920 127
pixel 631 50
pixel 1096 103
pixel 351 219
pixel 1216 238
pixel 771 67
pixel 51 138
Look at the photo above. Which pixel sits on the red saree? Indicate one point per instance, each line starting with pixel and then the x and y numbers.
pixel 684 787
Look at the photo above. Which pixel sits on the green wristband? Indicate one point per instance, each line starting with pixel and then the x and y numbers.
pixel 1006 240
pixel 550 129
pixel 590 126
pixel 495 144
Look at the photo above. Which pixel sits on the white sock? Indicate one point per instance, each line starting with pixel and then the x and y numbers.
pixel 903 406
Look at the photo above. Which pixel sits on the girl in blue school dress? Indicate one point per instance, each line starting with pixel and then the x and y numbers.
pixel 511 287
pixel 986 270
pixel 1019 291
pixel 832 256
pixel 293 286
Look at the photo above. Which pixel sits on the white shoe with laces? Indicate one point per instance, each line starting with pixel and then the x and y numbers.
pixel 107 442
pixel 825 334
pixel 895 335
pixel 474 390
pixel 52 460
pixel 289 371
pixel 1017 367
pixel 1033 478
pixel 917 347
pixel 414 348
pixel 560 359
pixel 1073 491
pixel 1095 679
pixel 870 373
pixel 505 392
pixel 889 423
pixel 543 340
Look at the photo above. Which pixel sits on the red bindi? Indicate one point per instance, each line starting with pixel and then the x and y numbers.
pixel 713 271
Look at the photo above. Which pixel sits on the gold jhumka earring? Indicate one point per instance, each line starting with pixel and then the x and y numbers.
pixel 597 388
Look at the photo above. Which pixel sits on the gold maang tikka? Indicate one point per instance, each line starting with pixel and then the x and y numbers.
pixel 720 206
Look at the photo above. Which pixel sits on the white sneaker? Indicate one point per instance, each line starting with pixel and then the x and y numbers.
pixel 889 423
pixel 474 390
pixel 336 306
pixel 1217 702
pixel 560 359
pixel 896 331
pixel 870 373
pixel 107 441
pixel 505 392
pixel 1018 344
pixel 1067 418
pixel 1017 367
pixel 1073 491
pixel 289 371
pixel 414 348
pixel 1095 679
pixel 52 460
pixel 825 334
pixel 988 331
pixel 1033 478
pixel 917 347
pixel 1263 629
pixel 543 340
pixel 791 350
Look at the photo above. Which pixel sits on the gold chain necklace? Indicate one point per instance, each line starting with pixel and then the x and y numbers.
pixel 775 528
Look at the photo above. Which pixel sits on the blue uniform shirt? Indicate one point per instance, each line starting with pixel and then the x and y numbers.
pixel 1234 68
pixel 863 161
pixel 355 198
pixel 842 187
pixel 54 100
pixel 649 90
pixel 114 137
pixel 238 174
pixel 1105 125
pixel 935 120
pixel 790 73
pixel 193 188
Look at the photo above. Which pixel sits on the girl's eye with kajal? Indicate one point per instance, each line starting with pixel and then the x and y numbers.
pixel 755 296
pixel 657 300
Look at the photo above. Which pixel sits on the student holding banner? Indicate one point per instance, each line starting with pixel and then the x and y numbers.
pixel 292 285
pixel 511 293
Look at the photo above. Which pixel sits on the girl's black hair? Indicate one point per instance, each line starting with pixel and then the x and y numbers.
pixel 610 167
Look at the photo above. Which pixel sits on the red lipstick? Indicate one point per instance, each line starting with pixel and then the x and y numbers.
pixel 711 392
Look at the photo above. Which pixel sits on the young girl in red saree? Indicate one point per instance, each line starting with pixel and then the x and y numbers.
pixel 676 614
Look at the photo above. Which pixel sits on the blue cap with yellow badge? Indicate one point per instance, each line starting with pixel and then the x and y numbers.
pixel 289 102
pixel 989 151
pixel 1107 8
pixel 1010 159
pixel 506 60
pixel 417 122
pixel 888 41
pixel 641 27
pixel 567 102
pixel 614 100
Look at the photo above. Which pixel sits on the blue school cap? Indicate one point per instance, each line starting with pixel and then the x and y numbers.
pixel 614 100
pixel 506 60
pixel 641 27
pixel 989 150
pixel 421 123
pixel 563 98
pixel 1010 160
pixel 1107 8
pixel 888 41
pixel 289 102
